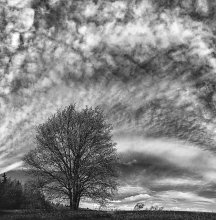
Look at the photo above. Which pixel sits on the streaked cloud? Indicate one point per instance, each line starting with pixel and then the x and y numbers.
pixel 11 167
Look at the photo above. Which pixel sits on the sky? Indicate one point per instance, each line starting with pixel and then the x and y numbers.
pixel 149 65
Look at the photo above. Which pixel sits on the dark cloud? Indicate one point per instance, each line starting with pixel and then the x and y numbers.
pixel 208 191
pixel 147 170
pixel 151 167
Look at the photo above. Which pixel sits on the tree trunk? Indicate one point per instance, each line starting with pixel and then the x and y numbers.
pixel 76 201
pixel 76 196
pixel 71 200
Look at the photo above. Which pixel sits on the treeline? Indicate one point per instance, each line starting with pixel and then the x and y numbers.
pixel 15 195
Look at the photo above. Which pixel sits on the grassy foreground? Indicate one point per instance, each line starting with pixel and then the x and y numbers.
pixel 123 215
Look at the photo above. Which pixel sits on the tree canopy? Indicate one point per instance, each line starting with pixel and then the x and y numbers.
pixel 75 156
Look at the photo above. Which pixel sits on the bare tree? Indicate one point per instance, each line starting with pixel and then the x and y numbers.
pixel 75 156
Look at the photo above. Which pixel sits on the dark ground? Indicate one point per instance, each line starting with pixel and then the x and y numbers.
pixel 123 215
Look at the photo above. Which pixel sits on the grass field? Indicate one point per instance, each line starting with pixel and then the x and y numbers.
pixel 123 215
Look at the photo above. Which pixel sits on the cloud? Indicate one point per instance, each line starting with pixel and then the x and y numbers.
pixel 178 182
pixel 19 3
pixel 142 167
pixel 133 199
pixel 172 151
pixel 188 196
pixel 109 48
pixel 11 167
pixel 208 191
pixel 156 167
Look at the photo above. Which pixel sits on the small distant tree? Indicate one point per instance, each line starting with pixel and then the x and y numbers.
pixel 139 206
pixel 4 178
pixel 75 156
pixel 156 208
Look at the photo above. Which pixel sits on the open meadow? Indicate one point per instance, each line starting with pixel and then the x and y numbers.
pixel 118 215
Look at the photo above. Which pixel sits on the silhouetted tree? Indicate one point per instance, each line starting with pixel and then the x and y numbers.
pixel 10 194
pixel 4 178
pixel 15 195
pixel 75 156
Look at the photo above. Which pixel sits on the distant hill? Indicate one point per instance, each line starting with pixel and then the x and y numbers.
pixel 18 175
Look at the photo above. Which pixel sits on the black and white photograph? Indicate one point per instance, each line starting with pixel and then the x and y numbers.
pixel 108 109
